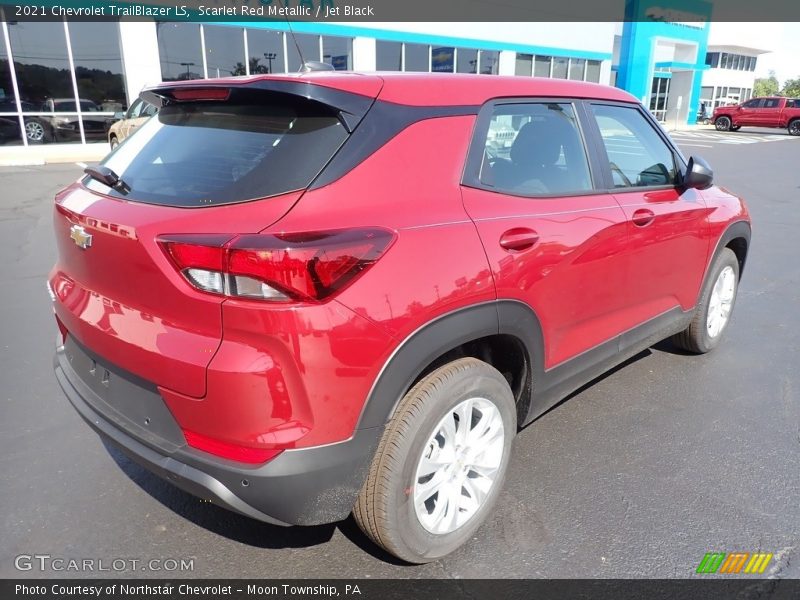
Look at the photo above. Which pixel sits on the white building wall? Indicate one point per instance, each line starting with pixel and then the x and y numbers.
pixel 139 45
pixel 364 54
pixel 729 78
pixel 507 63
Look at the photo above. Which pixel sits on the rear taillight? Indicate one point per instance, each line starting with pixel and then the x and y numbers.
pixel 304 267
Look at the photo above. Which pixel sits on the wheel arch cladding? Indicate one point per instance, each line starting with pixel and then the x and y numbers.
pixel 479 331
pixel 737 238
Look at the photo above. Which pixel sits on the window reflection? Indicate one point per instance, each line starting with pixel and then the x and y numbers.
pixel 309 47
pixel 416 57
pixel 179 51
pixel 266 51
pixel 10 132
pixel 388 56
pixel 224 50
pixel 338 51
pixel 490 61
pixel 467 60
pixel 98 65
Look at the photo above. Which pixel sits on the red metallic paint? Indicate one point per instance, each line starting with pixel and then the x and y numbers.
pixel 260 375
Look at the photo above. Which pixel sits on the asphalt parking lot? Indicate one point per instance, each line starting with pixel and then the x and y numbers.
pixel 637 475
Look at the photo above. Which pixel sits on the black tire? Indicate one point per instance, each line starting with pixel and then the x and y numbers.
pixel 113 142
pixel 385 509
pixel 794 127
pixel 735 127
pixel 723 123
pixel 696 338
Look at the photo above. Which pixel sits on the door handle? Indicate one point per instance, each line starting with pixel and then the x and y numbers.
pixel 643 217
pixel 518 239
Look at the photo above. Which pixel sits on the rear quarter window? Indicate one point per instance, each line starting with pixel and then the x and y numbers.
pixel 209 153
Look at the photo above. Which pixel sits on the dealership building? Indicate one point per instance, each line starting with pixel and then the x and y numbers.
pixel 84 72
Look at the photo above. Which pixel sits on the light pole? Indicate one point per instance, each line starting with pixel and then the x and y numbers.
pixel 187 65
pixel 269 57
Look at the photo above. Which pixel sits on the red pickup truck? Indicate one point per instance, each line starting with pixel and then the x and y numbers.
pixel 760 112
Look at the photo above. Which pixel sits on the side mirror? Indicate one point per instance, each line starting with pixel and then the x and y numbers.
pixel 118 116
pixel 698 174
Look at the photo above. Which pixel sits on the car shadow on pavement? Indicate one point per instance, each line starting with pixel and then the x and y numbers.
pixel 237 527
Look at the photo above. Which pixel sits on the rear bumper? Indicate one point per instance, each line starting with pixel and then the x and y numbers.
pixel 307 486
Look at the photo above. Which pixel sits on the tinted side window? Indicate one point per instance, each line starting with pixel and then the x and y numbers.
pixel 636 153
pixel 771 103
pixel 535 149
pixel 134 110
pixel 752 103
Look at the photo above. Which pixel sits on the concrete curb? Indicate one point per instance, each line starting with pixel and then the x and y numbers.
pixel 19 156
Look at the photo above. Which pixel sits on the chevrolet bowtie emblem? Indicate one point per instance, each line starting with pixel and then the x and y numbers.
pixel 80 237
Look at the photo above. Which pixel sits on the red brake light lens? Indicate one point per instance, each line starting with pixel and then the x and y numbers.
pixel 190 94
pixel 305 267
pixel 244 454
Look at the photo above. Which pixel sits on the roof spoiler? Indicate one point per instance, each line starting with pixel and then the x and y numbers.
pixel 351 107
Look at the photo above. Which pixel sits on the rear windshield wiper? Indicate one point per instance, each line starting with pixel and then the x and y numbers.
pixel 107 177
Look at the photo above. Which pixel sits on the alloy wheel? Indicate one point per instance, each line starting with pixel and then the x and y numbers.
pixel 458 466
pixel 721 302
pixel 34 131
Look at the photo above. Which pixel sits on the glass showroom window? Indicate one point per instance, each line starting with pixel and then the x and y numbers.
pixel 443 59
pixel 388 56
pixel 63 100
pixel 11 131
pixel 179 50
pixel 541 67
pixel 417 57
pixel 98 72
pixel 577 66
pixel 224 47
pixel 523 65
pixel 466 60
pixel 266 51
pixel 560 67
pixel 489 61
pixel 309 47
pixel 338 51
pixel 593 71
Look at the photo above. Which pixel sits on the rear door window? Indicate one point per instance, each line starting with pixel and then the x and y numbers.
pixel 206 153
pixel 535 149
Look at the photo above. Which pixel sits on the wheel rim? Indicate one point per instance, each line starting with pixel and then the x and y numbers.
pixel 723 123
pixel 114 143
pixel 794 128
pixel 34 131
pixel 719 307
pixel 459 465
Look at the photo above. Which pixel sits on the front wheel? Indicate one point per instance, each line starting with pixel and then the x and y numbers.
pixel 441 462
pixel 714 309
pixel 723 124
pixel 794 127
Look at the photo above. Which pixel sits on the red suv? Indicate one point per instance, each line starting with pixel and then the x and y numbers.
pixel 305 296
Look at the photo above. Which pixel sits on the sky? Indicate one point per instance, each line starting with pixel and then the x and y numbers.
pixel 785 61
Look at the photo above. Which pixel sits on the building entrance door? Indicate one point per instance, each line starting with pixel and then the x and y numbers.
pixel 659 93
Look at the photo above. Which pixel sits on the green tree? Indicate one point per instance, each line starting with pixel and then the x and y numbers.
pixel 255 68
pixel 791 88
pixel 766 86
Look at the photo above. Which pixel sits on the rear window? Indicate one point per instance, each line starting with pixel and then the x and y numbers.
pixel 209 153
